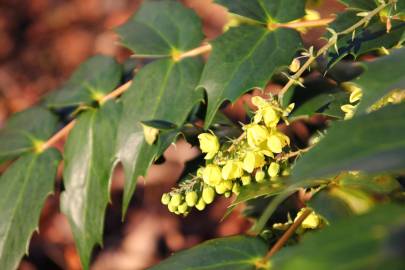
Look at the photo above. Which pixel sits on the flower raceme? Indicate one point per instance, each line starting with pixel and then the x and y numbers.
pixel 253 157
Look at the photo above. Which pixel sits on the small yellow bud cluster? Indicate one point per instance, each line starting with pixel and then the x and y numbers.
pixel 191 193
pixel 253 157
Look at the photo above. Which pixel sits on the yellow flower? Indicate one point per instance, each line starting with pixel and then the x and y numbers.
pixel 256 134
pixel 209 144
pixel 232 170
pixel 150 134
pixel 274 169
pixel 277 141
pixel 253 160
pixel 266 112
pixel 259 102
pixel 212 175
pixel 311 222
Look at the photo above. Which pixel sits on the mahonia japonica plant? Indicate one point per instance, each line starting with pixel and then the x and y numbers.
pixel 334 199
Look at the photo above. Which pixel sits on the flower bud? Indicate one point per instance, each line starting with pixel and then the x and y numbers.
pixel 295 65
pixel 236 188
pixel 232 170
pixel 182 208
pixel 200 204
pixel 191 198
pixel 165 199
pixel 227 194
pixel 274 169
pixel 259 176
pixel 176 200
pixel 208 144
pixel 212 175
pixel 208 194
pixel 150 134
pixel 172 208
pixel 220 188
pixel 246 180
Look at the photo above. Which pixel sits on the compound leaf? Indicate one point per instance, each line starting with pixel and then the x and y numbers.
pixel 162 90
pixel 23 189
pixel 160 27
pixel 89 160
pixel 93 79
pixel 232 253
pixel 232 67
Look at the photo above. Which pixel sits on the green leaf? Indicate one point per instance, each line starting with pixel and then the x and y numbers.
pixel 24 129
pixel 232 68
pixel 23 190
pixel 329 207
pixel 93 79
pixel 366 5
pixel 313 105
pixel 266 10
pixel 89 161
pixel 370 38
pixel 381 76
pixel 377 184
pixel 163 90
pixel 232 253
pixel 256 190
pixel 370 143
pixel 160 27
pixel 371 241
pixel 159 124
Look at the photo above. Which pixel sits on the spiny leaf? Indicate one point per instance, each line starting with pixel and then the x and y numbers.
pixel 23 190
pixel 94 78
pixel 232 68
pixel 163 90
pixel 381 76
pixel 369 143
pixel 232 253
pixel 160 27
pixel 371 241
pixel 266 10
pixel 370 38
pixel 23 129
pixel 89 160
pixel 256 190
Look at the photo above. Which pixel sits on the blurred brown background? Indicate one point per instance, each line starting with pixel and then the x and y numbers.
pixel 41 43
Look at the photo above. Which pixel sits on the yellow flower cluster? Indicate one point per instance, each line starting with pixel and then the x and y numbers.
pixel 251 157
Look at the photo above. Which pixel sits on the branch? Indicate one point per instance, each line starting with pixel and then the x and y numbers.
pixel 332 41
pixel 302 24
pixel 284 238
